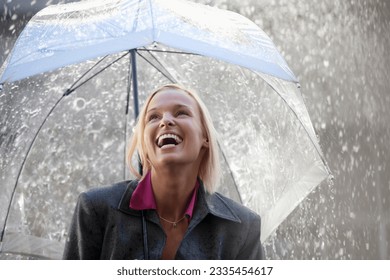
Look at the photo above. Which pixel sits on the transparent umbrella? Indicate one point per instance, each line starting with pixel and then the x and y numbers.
pixel 61 135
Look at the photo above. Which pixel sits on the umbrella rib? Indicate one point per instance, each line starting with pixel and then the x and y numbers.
pixel 70 90
pixel 230 171
pixel 83 75
pixel 24 162
pixel 300 121
pixel 171 79
pixel 165 51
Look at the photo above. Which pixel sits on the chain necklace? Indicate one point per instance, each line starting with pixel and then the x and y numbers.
pixel 173 223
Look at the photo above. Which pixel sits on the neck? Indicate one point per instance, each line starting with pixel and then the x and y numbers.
pixel 172 190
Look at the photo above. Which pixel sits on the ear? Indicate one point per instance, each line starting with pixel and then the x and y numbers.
pixel 206 143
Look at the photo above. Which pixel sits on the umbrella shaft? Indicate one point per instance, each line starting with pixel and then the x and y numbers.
pixel 135 92
pixel 135 82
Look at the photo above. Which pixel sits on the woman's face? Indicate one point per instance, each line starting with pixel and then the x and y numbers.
pixel 173 130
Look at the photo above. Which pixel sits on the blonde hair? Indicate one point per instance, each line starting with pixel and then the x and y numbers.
pixel 209 170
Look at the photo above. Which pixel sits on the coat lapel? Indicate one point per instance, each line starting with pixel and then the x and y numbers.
pixel 125 200
pixel 124 204
pixel 213 204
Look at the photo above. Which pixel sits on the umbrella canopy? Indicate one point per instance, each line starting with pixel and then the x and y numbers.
pixel 65 34
pixel 272 159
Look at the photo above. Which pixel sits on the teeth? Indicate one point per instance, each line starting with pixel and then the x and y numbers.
pixel 168 135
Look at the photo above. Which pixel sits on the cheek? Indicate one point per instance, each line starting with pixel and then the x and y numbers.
pixel 202 131
pixel 148 138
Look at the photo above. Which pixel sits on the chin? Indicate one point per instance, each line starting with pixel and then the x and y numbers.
pixel 174 159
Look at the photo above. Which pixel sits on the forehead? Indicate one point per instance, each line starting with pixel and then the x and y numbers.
pixel 172 97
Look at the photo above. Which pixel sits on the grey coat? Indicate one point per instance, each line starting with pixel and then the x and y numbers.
pixel 104 227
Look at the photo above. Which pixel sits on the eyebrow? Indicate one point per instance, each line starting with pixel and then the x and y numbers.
pixel 176 106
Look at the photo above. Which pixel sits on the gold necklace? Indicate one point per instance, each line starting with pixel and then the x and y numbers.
pixel 174 224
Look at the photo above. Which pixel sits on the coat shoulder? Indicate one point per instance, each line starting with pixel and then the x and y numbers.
pixel 243 227
pixel 109 195
pixel 243 213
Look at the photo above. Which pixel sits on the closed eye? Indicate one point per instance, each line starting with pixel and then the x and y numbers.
pixel 182 112
pixel 152 117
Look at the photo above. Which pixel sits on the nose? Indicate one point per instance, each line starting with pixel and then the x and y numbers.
pixel 167 120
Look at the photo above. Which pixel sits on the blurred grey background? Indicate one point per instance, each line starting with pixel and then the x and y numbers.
pixel 340 51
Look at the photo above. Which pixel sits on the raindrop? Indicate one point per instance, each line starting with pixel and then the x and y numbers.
pixel 326 63
pixel 79 103
pixel 356 148
pixel 341 251
pixel 45 50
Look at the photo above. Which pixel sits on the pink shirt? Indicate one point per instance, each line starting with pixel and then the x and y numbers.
pixel 143 197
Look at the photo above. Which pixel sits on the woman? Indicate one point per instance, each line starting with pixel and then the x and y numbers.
pixel 171 212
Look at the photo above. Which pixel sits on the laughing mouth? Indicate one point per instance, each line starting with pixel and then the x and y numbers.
pixel 168 139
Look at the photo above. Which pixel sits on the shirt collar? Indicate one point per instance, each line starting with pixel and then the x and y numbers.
pixel 205 204
pixel 143 196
